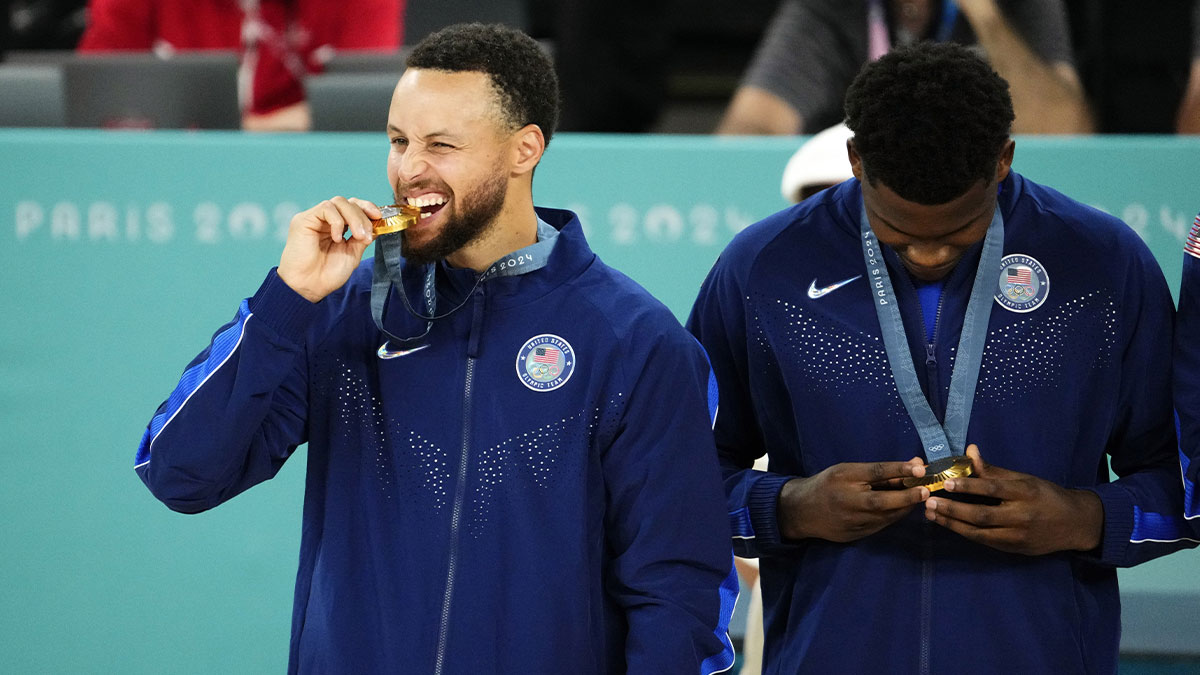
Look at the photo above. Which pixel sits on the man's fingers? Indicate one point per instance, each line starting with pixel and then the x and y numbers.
pixel 918 467
pixel 983 535
pixel 353 217
pixel 984 487
pixel 982 468
pixel 980 515
pixel 876 472
pixel 369 207
pixel 327 218
pixel 1002 538
pixel 890 500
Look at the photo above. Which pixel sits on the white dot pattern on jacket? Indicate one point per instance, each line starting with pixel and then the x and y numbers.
pixel 535 456
pixel 410 467
pixel 1028 356
pixel 831 359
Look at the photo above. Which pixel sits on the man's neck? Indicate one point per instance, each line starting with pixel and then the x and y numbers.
pixel 513 229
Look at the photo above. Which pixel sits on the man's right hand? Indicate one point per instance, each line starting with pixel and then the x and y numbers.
pixel 317 258
pixel 849 501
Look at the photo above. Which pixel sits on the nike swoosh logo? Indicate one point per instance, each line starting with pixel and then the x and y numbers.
pixel 383 352
pixel 814 292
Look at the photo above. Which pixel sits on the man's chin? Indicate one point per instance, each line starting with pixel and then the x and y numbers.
pixel 929 274
pixel 422 255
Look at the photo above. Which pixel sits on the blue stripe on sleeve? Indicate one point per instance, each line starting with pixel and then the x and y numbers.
pixel 723 660
pixel 740 525
pixel 1191 509
pixel 1158 527
pixel 223 346
pixel 714 397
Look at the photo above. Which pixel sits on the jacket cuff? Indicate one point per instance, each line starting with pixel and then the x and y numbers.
pixel 283 310
pixel 1118 523
pixel 764 507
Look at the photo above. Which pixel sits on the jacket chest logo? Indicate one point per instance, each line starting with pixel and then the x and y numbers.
pixel 545 362
pixel 1023 285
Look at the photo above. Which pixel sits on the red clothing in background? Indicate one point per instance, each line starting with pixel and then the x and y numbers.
pixel 280 41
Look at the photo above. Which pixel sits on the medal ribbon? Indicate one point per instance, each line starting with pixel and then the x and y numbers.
pixel 388 270
pixel 939 441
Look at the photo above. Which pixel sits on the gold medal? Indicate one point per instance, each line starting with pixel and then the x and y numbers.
pixel 937 473
pixel 395 218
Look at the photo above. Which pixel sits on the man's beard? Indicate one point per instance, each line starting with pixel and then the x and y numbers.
pixel 468 223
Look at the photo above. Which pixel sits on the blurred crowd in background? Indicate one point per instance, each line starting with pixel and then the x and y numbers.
pixel 703 66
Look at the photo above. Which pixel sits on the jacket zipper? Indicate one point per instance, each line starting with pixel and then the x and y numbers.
pixel 931 365
pixel 935 388
pixel 926 596
pixel 460 488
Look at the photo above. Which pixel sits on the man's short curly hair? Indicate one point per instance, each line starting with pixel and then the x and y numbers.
pixel 929 121
pixel 521 72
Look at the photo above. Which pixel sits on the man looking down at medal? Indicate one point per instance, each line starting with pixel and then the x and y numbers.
pixel 463 515
pixel 936 299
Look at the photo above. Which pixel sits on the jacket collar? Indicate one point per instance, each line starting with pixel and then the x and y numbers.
pixel 570 256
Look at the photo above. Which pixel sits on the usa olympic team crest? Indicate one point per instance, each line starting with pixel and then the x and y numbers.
pixel 545 362
pixel 1023 285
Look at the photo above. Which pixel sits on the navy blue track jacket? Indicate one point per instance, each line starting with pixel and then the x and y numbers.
pixel 533 488
pixel 1072 382
pixel 1187 378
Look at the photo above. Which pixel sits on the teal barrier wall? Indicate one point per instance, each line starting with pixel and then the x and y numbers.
pixel 120 254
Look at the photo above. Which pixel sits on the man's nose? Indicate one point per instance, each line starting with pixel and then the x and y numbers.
pixel 410 166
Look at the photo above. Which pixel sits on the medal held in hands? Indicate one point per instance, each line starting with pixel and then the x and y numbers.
pixel 937 473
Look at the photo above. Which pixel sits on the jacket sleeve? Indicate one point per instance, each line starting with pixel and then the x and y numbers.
pixel 672 568
pixel 239 410
pixel 718 321
pixel 1143 507
pixel 1187 379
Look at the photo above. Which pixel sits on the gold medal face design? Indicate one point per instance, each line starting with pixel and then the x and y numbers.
pixel 395 218
pixel 937 473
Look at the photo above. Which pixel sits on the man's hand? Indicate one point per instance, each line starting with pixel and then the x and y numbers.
pixel 1048 98
pixel 848 501
pixel 317 259
pixel 1034 516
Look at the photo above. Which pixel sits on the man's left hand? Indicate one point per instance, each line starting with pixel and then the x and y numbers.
pixel 1033 516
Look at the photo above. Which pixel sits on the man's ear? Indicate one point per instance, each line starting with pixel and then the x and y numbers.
pixel 855 161
pixel 528 145
pixel 1004 165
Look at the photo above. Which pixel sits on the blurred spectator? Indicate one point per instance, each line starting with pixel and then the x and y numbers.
pixel 41 24
pixel 281 41
pixel 1189 110
pixel 1134 59
pixel 821 162
pixel 612 60
pixel 813 48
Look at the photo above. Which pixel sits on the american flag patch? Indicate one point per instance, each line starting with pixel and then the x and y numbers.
pixel 545 355
pixel 1192 245
pixel 1020 274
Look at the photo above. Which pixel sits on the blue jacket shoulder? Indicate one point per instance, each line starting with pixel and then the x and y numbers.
pixel 1090 227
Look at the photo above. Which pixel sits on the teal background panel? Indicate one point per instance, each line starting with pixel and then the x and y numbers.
pixel 122 252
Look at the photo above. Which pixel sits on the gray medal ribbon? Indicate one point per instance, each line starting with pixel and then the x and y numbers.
pixel 939 441
pixel 388 272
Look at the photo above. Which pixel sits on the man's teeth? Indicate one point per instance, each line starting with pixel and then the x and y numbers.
pixel 427 200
